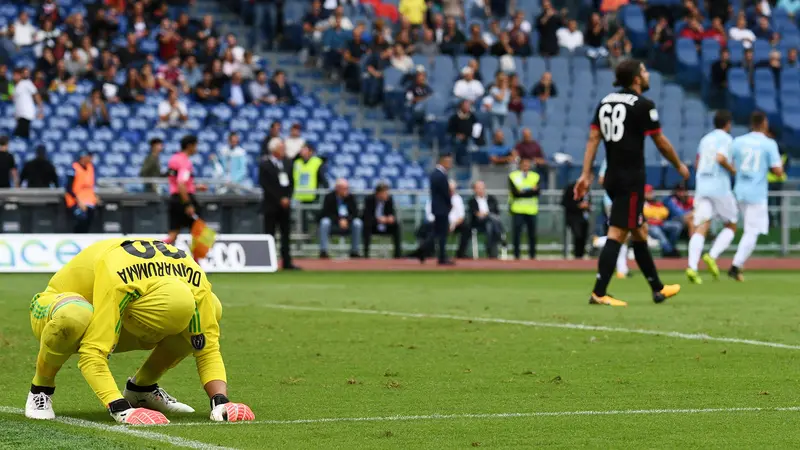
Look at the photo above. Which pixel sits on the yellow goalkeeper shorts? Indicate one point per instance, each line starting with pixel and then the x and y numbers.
pixel 165 310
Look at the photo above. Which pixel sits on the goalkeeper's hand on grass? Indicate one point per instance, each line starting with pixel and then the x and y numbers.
pixel 222 410
pixel 124 413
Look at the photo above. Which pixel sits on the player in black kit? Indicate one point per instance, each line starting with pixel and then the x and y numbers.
pixel 623 120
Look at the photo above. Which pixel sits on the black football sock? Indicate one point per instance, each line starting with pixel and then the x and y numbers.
pixel 136 388
pixel 42 390
pixel 644 259
pixel 606 264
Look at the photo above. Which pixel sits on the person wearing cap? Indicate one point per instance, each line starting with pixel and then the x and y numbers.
pixel 468 88
pixel 523 199
pixel 80 196
pixel 658 227
pixel 39 172
pixel 183 206
pixel 276 181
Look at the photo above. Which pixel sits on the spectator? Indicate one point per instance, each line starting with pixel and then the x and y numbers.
pixel 453 38
pixel 46 37
pixel 619 48
pixel 249 66
pixel 76 64
pixel 503 45
pixel 338 17
pixel 281 89
pixel 764 31
pixel 138 21
pixel 528 148
pixel 484 217
pixel 662 37
pixel 428 47
pixel 146 79
pixel 748 64
pixel 172 112
pixel 548 24
pixel 659 228
pixel 791 6
pixel 523 187
pixel 47 64
pixel 340 215
pixel 413 10
pixel 94 112
pixel 208 52
pixel 491 35
pixel 108 85
pixel 717 32
pixel 379 28
pixel 719 70
pixel 184 26
pixel 515 86
pixel 26 100
pixel 545 89
pixel 171 78
pixel 9 177
pixel 168 40
pixel 48 11
pixel 235 93
pixel 40 82
pixel 438 28
pixel 24 31
pixel 681 208
pixel 462 128
pixel 39 172
pixel 519 25
pixel 570 37
pixel 235 164
pixel 719 9
pixel 791 58
pixel 516 104
pixel 475 66
pixel 380 218
pixel 576 218
pixel 468 88
pixel 151 168
pixel 232 44
pixel 610 7
pixel 312 26
pixel 295 142
pixel 277 186
pixel 741 33
pixel 274 132
pixel 6 85
pixel 775 65
pixel 63 81
pixel 76 28
pixel 106 60
pixel 595 37
pixel 88 51
pixel 499 97
pixel 207 29
pixel 80 196
pixel 192 72
pixel 229 64
pixel 475 46
pixel 520 45
pixel 416 96
pixel 377 62
pixel 103 28
pixel 219 77
pixel 496 8
pixel 188 48
pixel 400 60
pixel 499 152
pixel 259 89
pixel 130 54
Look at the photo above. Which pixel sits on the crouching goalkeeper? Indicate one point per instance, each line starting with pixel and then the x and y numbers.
pixel 121 295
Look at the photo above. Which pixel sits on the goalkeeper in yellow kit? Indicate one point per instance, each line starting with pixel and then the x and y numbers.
pixel 120 295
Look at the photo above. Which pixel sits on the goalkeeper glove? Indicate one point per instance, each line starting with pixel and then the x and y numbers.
pixel 223 410
pixel 124 413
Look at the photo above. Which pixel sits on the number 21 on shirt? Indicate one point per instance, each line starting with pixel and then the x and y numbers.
pixel 750 161
pixel 612 121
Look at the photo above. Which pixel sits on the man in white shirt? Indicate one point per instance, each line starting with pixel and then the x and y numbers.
pixel 468 88
pixel 259 90
pixel 519 23
pixel 457 211
pixel 24 31
pixel 295 142
pixel 26 99
pixel 172 112
pixel 741 33
pixel 570 37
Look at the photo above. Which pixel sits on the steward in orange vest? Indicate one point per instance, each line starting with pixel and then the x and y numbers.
pixel 80 195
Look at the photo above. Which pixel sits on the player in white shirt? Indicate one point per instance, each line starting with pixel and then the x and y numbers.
pixel 754 155
pixel 713 196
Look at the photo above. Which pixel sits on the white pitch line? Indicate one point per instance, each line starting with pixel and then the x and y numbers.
pixel 126 429
pixel 628 412
pixel 528 323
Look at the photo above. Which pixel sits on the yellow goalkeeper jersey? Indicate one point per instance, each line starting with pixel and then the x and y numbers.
pixel 114 272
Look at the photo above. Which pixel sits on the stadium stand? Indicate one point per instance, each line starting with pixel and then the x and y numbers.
pixel 351 97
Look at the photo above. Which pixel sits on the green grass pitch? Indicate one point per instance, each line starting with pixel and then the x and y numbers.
pixel 455 383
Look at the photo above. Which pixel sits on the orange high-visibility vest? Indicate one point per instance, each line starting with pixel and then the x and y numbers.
pixel 82 186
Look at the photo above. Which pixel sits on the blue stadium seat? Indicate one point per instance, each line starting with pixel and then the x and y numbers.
pixel 327 149
pixel 761 49
pixel 536 67
pixel 351 147
pixel 559 67
pixel 736 51
pixel 52 135
pixel 357 136
pixel 688 63
pixel 489 66
pixel 378 147
pixel 740 96
pixel 636 25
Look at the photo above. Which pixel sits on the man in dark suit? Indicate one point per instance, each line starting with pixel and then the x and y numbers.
pixel 340 216
pixel 576 218
pixel 440 206
pixel 484 216
pixel 275 177
pixel 380 218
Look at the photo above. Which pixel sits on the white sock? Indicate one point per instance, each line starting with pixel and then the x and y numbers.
pixel 746 246
pixel 722 242
pixel 600 242
pixel 696 249
pixel 622 260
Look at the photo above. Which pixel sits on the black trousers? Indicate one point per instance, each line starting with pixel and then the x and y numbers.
pixel 82 220
pixel 23 128
pixel 529 222
pixel 371 228
pixel 579 227
pixel 280 219
pixel 489 226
